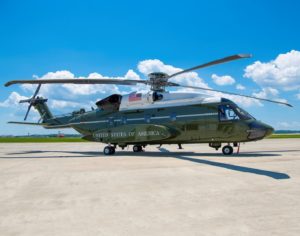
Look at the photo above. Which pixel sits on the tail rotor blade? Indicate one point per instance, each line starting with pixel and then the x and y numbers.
pixel 29 107
pixel 36 91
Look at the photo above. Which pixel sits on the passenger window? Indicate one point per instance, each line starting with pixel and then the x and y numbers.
pixel 157 96
pixel 124 120
pixel 227 113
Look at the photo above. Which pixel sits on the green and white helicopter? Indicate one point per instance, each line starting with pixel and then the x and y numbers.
pixel 156 117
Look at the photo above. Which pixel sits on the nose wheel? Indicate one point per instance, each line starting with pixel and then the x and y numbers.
pixel 109 150
pixel 227 150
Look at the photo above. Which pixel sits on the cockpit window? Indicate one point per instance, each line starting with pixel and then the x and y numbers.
pixel 233 112
pixel 227 113
pixel 243 114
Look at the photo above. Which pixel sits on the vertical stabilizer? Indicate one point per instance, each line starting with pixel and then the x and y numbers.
pixel 43 109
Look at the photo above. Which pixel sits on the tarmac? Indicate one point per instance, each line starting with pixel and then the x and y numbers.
pixel 73 189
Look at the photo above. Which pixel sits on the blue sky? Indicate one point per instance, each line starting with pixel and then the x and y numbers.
pixel 113 37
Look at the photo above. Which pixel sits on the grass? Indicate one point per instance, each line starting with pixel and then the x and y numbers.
pixel 39 139
pixel 284 136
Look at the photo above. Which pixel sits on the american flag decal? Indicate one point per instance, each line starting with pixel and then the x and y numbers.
pixel 135 97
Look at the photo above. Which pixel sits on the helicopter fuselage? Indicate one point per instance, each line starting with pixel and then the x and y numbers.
pixel 166 118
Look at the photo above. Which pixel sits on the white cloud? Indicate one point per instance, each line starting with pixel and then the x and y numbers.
pixel 267 93
pixel 61 104
pixel 291 125
pixel 298 96
pixel 154 65
pixel 188 79
pixel 13 100
pixel 240 87
pixel 89 89
pixel 282 73
pixel 223 80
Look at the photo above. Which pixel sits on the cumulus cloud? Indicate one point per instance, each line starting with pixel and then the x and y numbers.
pixel 293 125
pixel 188 79
pixel 13 100
pixel 63 97
pixel 240 87
pixel 90 89
pixel 61 104
pixel 283 72
pixel 267 93
pixel 298 96
pixel 154 65
pixel 223 80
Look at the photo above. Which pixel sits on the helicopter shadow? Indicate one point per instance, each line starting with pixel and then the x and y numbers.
pixel 186 156
pixel 163 153
pixel 272 174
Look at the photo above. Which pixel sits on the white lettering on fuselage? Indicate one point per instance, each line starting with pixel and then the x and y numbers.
pixel 100 135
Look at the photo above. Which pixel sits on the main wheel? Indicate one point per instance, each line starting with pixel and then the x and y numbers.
pixel 137 148
pixel 109 150
pixel 227 150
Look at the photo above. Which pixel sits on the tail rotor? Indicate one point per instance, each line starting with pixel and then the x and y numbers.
pixel 33 100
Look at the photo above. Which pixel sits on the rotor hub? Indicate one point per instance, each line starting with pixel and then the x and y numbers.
pixel 158 81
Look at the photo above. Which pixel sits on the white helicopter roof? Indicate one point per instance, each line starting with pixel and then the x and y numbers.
pixel 150 100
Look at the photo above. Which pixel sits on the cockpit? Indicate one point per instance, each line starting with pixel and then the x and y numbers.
pixel 233 112
pixel 110 103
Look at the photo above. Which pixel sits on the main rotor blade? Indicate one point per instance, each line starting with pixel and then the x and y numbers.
pixel 78 81
pixel 219 61
pixel 236 94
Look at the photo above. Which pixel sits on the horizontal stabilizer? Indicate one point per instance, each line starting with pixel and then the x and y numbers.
pixel 45 125
pixel 27 123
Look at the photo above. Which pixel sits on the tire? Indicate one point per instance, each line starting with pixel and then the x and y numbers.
pixel 227 150
pixel 112 150
pixel 108 150
pixel 137 148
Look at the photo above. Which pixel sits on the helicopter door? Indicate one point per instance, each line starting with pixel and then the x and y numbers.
pixel 227 120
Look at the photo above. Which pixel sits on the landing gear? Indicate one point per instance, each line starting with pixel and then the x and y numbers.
pixel 109 150
pixel 137 148
pixel 215 145
pixel 227 150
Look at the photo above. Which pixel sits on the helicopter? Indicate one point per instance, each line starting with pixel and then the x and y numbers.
pixel 156 117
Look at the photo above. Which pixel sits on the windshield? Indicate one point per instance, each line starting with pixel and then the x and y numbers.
pixel 227 113
pixel 243 114
pixel 233 112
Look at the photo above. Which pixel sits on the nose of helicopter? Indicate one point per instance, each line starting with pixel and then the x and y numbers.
pixel 259 130
pixel 269 130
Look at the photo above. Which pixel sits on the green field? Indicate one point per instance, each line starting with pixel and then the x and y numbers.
pixel 285 136
pixel 78 139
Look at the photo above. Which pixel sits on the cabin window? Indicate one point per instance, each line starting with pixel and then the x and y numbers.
pixel 157 96
pixel 110 121
pixel 124 120
pixel 227 113
pixel 147 118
